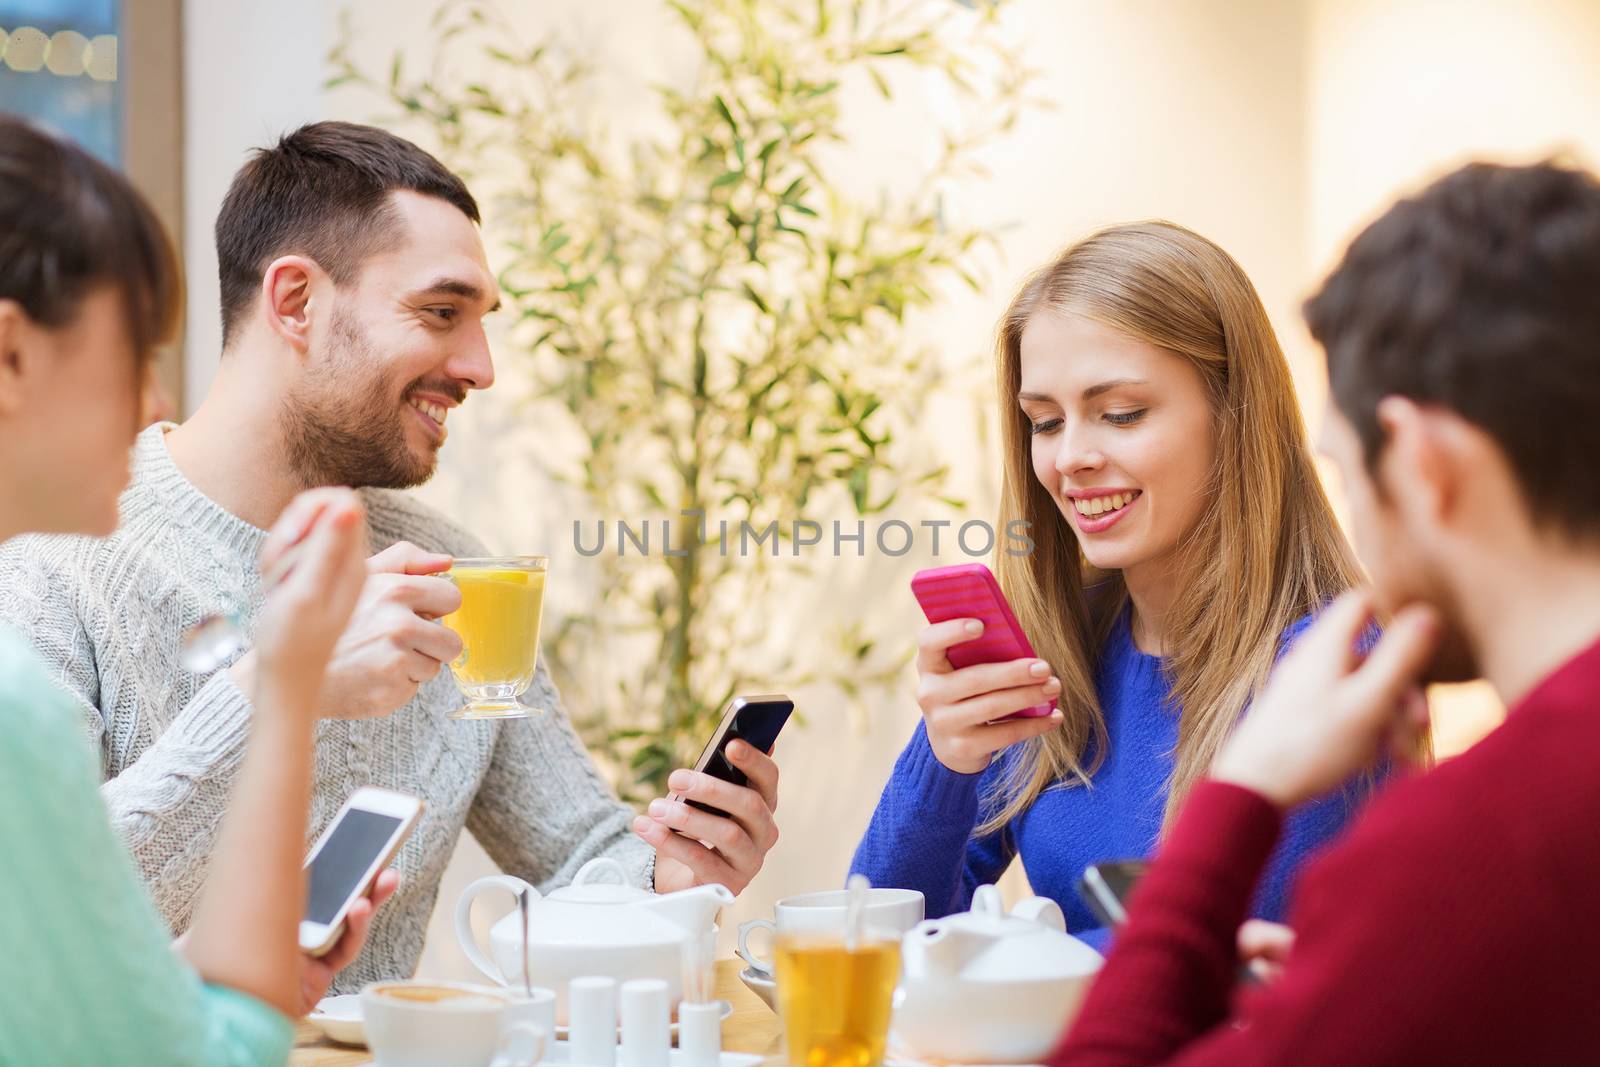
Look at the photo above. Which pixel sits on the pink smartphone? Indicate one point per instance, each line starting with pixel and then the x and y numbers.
pixel 969 591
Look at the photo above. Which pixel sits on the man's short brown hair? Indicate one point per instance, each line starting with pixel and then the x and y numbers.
pixel 1481 295
pixel 322 191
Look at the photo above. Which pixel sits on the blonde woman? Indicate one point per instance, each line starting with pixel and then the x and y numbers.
pixel 1181 540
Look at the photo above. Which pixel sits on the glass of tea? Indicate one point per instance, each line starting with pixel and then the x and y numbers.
pixel 502 600
pixel 835 997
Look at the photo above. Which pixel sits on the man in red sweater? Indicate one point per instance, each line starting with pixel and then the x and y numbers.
pixel 1459 921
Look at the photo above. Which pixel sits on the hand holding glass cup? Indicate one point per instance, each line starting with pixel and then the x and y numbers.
pixel 502 602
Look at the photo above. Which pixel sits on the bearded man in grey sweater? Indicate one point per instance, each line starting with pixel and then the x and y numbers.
pixel 354 285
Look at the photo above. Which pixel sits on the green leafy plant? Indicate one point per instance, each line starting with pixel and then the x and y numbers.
pixel 714 311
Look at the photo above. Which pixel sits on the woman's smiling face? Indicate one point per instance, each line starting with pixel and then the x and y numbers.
pixel 1123 438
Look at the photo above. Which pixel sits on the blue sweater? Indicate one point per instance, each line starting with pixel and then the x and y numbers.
pixel 921 835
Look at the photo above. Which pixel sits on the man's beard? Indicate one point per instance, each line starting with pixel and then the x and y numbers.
pixel 343 426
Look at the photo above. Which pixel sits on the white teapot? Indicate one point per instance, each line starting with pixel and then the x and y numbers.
pixel 987 987
pixel 598 925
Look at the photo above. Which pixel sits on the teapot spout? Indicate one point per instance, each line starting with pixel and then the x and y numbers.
pixel 936 948
pixel 694 909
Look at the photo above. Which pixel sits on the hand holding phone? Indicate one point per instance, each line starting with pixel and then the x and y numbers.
pixel 756 721
pixel 349 856
pixel 983 691
pixel 717 825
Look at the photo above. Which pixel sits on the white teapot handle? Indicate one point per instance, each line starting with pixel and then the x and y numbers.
pixel 1041 910
pixel 469 943
pixel 595 871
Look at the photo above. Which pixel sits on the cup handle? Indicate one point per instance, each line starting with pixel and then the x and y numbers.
pixel 538 1040
pixel 469 943
pixel 745 930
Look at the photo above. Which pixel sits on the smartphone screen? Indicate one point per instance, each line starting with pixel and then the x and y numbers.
pixel 756 721
pixel 344 858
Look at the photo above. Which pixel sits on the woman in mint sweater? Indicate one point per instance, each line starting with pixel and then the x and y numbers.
pixel 89 975
pixel 1181 539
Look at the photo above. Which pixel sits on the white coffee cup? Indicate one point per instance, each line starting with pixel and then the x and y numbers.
pixel 446 1024
pixel 887 910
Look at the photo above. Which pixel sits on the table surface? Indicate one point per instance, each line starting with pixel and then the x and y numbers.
pixel 751 1028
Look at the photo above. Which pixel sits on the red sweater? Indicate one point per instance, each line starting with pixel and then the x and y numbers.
pixel 1457 923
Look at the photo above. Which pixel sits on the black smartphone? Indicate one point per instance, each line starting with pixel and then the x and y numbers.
pixel 756 721
pixel 1105 888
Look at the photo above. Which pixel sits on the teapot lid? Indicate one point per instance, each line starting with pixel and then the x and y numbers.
pixel 1020 948
pixel 577 915
pixel 601 881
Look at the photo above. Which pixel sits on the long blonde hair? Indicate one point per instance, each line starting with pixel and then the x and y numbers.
pixel 1268 555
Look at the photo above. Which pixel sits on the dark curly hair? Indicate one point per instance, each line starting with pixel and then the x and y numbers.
pixel 1481 294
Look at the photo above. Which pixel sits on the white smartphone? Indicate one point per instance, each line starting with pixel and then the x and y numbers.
pixel 349 856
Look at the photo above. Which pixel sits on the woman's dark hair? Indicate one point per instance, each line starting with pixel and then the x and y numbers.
pixel 70 224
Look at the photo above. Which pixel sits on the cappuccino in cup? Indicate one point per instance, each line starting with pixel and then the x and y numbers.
pixel 440 1024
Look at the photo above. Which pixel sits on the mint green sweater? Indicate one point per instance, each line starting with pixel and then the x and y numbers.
pixel 87 974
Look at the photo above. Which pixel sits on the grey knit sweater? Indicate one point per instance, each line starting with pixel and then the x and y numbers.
pixel 107 615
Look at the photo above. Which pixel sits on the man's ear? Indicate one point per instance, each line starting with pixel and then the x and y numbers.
pixel 15 326
pixel 288 288
pixel 1416 468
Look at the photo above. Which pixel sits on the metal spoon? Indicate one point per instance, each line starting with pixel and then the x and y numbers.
pixel 527 979
pixel 212 641
pixel 855 910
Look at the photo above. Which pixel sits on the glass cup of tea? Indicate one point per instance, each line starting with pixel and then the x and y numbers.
pixel 502 601
pixel 835 997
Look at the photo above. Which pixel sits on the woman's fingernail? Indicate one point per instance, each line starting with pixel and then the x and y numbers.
pixel 1039 668
pixel 1053 685
pixel 736 750
pixel 974 627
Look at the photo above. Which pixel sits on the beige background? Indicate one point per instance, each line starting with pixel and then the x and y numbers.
pixel 1276 127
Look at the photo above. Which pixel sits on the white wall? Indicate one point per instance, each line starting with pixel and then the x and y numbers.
pixel 250 71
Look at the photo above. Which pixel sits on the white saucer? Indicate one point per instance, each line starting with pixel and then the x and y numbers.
pixel 727 1010
pixel 559 1053
pixel 340 1018
pixel 761 985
